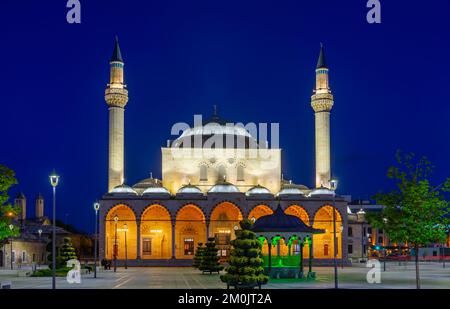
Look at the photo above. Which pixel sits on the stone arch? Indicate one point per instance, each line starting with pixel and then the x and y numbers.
pixel 190 230
pixel 323 243
pixel 299 212
pixel 223 219
pixel 156 232
pixel 121 238
pixel 259 211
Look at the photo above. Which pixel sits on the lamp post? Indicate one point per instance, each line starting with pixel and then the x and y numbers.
pixel 96 208
pixel 125 228
pixel 11 249
pixel 361 214
pixel 333 187
pixel 116 219
pixel 39 259
pixel 54 179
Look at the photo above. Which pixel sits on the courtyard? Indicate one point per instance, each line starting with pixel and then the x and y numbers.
pixel 396 276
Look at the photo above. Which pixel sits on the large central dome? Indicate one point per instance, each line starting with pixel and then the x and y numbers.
pixel 215 133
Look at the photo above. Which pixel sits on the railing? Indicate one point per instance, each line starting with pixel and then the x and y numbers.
pixel 282 261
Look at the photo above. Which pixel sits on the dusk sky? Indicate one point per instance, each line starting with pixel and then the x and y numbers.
pixel 254 59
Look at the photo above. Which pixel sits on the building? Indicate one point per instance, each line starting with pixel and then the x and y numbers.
pixel 30 247
pixel 205 191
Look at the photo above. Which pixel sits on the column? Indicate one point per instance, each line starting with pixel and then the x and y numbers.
pixel 207 231
pixel 301 259
pixel 138 240
pixel 173 239
pixel 310 255
pixel 270 254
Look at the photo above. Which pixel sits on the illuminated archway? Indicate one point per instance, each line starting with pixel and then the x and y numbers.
pixel 259 211
pixel 190 229
pixel 323 243
pixel 224 218
pixel 299 212
pixel 156 233
pixel 121 237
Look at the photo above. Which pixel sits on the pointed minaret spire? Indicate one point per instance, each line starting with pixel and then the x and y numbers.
pixel 322 102
pixel 321 63
pixel 116 96
pixel 116 56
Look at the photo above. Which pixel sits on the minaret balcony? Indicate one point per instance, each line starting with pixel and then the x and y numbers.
pixel 117 97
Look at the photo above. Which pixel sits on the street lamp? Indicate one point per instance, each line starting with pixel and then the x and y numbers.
pixel 39 259
pixel 116 219
pixel 11 249
pixel 54 179
pixel 125 228
pixel 361 214
pixel 333 186
pixel 96 208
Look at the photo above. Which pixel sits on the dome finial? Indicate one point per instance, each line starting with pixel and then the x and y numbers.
pixel 117 55
pixel 321 63
pixel 215 110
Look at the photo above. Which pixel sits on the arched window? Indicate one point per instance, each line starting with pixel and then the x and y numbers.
pixel 240 173
pixel 203 173
pixel 222 175
pixel 350 231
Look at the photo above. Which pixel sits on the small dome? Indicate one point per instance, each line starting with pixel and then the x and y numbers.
pixel 258 190
pixel 290 189
pixel 321 191
pixel 189 189
pixel 224 187
pixel 279 221
pixel 155 190
pixel 148 182
pixel 123 189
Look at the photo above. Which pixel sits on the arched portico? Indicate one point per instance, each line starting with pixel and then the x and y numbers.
pixel 323 243
pixel 190 229
pixel 156 233
pixel 120 237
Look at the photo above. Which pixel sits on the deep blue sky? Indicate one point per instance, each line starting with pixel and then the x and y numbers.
pixel 255 59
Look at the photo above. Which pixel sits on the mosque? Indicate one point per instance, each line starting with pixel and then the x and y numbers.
pixel 205 191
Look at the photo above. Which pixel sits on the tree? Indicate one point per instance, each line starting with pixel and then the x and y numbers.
pixel 67 251
pixel 210 260
pixel 414 212
pixel 246 265
pixel 198 255
pixel 7 212
pixel 64 253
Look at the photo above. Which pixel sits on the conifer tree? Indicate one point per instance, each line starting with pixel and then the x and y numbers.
pixel 67 251
pixel 210 261
pixel 246 265
pixel 198 255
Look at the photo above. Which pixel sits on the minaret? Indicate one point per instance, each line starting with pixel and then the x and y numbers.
pixel 116 96
pixel 322 102
pixel 21 203
pixel 39 206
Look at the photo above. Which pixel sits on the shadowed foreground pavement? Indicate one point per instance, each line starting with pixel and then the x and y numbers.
pixel 433 275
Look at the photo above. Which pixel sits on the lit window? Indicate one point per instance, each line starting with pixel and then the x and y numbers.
pixel 240 173
pixel 147 246
pixel 203 173
pixel 189 246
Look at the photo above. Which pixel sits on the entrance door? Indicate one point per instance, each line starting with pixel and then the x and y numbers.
pixel 223 244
